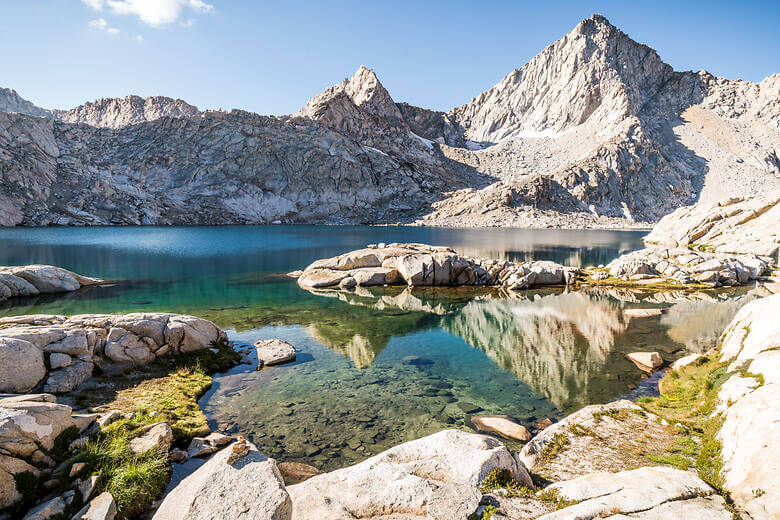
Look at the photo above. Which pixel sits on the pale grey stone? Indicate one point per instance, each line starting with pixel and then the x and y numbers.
pixel 435 477
pixel 22 366
pixel 228 486
pixel 274 351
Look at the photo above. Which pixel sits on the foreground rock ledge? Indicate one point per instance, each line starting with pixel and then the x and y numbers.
pixel 425 265
pixel 64 351
pixel 32 280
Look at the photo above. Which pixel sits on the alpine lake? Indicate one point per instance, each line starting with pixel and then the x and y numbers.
pixel 378 367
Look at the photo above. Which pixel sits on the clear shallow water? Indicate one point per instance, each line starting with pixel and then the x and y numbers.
pixel 375 367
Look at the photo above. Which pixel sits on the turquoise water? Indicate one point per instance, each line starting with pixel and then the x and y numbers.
pixel 375 367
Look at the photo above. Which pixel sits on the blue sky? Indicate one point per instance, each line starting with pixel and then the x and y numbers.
pixel 270 57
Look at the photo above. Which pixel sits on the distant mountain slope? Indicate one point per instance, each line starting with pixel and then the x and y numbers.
pixel 595 131
pixel 11 101
pixel 131 110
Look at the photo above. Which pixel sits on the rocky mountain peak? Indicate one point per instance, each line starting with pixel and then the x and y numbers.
pixel 595 74
pixel 11 101
pixel 363 91
pixel 366 91
pixel 119 112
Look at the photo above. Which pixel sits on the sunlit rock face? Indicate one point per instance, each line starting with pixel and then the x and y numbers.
pixel 554 343
pixel 595 131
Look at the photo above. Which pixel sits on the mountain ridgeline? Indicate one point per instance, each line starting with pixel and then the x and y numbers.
pixel 595 131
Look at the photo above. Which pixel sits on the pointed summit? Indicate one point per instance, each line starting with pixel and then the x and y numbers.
pixel 366 91
pixel 595 74
pixel 11 101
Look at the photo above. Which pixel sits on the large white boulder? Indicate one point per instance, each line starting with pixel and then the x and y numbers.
pixel 237 482
pixel 21 365
pixel 435 477
pixel 48 278
pixel 274 351
pixel 26 426
pixel 751 465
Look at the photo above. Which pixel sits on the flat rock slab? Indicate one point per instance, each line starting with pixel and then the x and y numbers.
pixel 501 425
pixel 234 482
pixel 606 437
pixel 435 477
pixel 274 351
pixel 603 493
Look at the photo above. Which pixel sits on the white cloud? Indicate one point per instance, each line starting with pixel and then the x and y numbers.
pixel 156 12
pixel 102 25
pixel 97 5
pixel 138 38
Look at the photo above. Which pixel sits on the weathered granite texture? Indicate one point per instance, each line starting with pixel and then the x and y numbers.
pixel 686 266
pixel 748 404
pixel 238 482
pixel 32 280
pixel 62 352
pixel 29 426
pixel 595 131
pixel 424 265
pixel 733 225
pixel 435 477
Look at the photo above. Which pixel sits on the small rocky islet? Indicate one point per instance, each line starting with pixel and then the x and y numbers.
pixel 704 446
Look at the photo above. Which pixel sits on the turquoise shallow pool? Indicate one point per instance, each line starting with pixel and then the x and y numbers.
pixel 376 367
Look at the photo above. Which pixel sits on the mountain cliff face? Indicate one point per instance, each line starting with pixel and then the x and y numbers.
pixel 116 113
pixel 595 131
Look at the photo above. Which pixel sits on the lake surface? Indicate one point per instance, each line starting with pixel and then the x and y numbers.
pixel 377 367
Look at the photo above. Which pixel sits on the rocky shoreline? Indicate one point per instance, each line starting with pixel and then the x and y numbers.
pixel 703 448
pixel 61 353
pixel 32 280
pixel 593 463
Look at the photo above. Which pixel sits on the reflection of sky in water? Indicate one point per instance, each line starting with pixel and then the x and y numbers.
pixel 376 367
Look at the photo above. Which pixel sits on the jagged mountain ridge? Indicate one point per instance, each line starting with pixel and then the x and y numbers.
pixel 594 131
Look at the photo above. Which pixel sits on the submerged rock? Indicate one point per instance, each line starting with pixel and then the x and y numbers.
pixel 501 425
pixel 647 361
